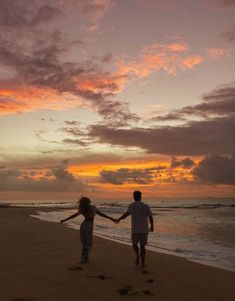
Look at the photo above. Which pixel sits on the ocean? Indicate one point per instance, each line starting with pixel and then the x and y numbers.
pixel 201 230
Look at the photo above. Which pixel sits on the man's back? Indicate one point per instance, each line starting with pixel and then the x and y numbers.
pixel 139 217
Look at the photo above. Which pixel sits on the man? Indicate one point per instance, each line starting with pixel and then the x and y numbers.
pixel 140 214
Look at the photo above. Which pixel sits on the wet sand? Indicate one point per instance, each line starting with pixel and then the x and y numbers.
pixel 40 261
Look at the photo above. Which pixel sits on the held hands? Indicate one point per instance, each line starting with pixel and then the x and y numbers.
pixel 116 220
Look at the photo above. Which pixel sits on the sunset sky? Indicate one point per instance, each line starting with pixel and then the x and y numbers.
pixel 102 97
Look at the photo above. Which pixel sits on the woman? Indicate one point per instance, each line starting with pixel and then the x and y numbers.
pixel 86 229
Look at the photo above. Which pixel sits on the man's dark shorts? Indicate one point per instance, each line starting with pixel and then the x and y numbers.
pixel 141 238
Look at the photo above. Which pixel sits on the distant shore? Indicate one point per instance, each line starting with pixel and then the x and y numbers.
pixel 40 261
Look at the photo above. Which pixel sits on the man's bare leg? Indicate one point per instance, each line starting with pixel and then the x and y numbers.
pixel 136 249
pixel 142 255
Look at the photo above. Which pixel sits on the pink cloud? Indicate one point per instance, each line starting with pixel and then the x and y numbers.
pixel 216 53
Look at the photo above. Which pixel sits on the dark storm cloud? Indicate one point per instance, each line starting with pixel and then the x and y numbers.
pixel 185 163
pixel 126 175
pixel 216 170
pixel 194 138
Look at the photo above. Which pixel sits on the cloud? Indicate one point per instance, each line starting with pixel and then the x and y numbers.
pixel 115 112
pixel 61 174
pixel 25 99
pixel 228 2
pixel 26 13
pixel 229 35
pixel 131 176
pixel 75 141
pixel 57 179
pixel 193 138
pixel 94 10
pixel 45 79
pixel 213 134
pixel 168 57
pixel 186 163
pixel 220 102
pixel 168 117
pixel 216 53
pixel 216 170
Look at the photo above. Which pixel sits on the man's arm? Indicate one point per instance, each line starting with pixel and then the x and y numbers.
pixel 70 217
pixel 104 215
pixel 126 214
pixel 151 229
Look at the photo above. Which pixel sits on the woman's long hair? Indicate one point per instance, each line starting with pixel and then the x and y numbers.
pixel 85 206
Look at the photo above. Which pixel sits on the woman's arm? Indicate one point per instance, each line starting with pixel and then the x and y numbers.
pixel 70 217
pixel 104 215
pixel 151 229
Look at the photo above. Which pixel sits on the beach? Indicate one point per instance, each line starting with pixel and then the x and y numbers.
pixel 40 261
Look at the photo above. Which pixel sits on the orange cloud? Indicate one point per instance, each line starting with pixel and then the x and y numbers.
pixel 25 99
pixel 88 169
pixel 104 83
pixel 167 57
pixel 165 174
pixel 191 61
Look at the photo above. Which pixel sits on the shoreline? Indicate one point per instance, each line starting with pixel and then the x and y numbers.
pixel 209 258
pixel 40 261
pixel 166 252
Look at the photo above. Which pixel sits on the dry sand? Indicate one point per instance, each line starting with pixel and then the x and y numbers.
pixel 40 261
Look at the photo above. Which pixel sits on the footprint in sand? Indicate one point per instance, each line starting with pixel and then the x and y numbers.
pixel 128 290
pixel 148 292
pixel 75 268
pixel 102 277
pixel 146 272
pixel 23 299
pixel 125 290
pixel 150 280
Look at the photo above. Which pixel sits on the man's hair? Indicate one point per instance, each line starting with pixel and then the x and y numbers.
pixel 137 195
